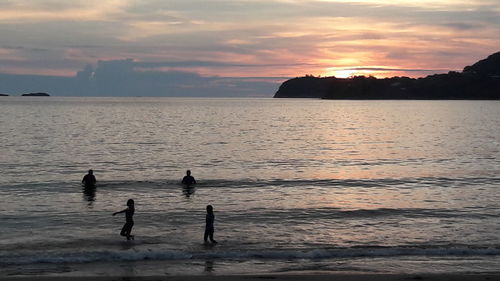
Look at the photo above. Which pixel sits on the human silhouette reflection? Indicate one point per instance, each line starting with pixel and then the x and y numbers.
pixel 89 194
pixel 209 266
pixel 188 190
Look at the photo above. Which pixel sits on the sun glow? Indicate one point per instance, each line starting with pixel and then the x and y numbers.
pixel 342 38
pixel 346 73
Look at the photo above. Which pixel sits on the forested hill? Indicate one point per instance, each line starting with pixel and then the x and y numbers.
pixel 478 81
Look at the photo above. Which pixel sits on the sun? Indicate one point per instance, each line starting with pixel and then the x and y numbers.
pixel 342 73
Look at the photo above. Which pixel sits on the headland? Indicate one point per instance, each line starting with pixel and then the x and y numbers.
pixel 480 81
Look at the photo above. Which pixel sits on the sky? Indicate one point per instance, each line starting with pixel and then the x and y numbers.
pixel 232 47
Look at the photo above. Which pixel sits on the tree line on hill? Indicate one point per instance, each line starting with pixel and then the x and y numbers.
pixel 478 81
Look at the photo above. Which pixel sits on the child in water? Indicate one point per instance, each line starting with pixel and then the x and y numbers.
pixel 209 227
pixel 129 222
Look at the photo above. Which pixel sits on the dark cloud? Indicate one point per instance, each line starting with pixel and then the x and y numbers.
pixel 396 69
pixel 40 63
pixel 45 4
pixel 12 47
pixel 463 25
pixel 213 64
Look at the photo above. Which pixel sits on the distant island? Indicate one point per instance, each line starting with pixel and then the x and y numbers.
pixel 36 95
pixel 478 81
pixel 29 95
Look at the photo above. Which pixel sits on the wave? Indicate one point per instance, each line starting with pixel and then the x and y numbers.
pixel 303 215
pixel 287 254
pixel 249 183
pixel 334 183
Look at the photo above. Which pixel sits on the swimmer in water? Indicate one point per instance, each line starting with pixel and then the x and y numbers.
pixel 89 180
pixel 188 179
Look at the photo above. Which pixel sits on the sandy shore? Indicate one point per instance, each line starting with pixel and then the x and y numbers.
pixel 311 277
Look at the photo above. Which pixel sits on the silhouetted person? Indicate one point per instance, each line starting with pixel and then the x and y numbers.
pixel 188 179
pixel 129 222
pixel 89 179
pixel 209 227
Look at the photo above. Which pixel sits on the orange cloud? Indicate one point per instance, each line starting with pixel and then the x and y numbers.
pixel 285 38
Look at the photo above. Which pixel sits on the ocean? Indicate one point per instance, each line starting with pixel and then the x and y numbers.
pixel 297 185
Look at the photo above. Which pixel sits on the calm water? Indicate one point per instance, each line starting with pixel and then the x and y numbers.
pixel 296 185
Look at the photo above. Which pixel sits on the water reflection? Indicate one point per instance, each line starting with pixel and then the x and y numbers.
pixel 209 266
pixel 262 138
pixel 89 194
pixel 188 190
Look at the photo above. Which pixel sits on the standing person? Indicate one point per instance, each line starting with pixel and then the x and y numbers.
pixel 89 180
pixel 129 222
pixel 188 179
pixel 209 227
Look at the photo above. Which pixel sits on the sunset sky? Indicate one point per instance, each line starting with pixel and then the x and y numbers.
pixel 272 39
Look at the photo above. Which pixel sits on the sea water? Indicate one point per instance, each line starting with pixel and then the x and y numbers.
pixel 296 185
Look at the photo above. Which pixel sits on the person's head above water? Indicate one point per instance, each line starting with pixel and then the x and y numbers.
pixel 130 202
pixel 210 209
pixel 188 172
pixel 91 172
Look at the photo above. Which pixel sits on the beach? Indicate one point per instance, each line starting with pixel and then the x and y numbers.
pixel 295 277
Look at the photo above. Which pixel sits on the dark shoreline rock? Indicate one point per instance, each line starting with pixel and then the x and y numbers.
pixel 36 95
pixel 481 81
pixel 4 95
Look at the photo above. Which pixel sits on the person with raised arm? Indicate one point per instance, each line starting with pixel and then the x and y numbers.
pixel 129 221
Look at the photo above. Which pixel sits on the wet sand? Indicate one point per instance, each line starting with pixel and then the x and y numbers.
pixel 295 277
